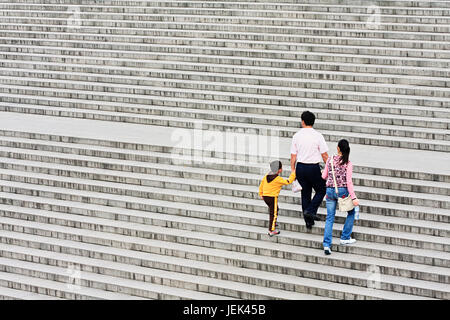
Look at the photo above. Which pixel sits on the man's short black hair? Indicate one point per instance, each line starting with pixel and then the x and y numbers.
pixel 309 118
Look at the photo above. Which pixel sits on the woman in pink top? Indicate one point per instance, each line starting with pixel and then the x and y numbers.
pixel 343 169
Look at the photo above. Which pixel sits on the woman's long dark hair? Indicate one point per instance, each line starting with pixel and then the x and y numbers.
pixel 345 150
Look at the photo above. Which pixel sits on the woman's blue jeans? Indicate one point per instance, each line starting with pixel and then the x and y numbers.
pixel 331 201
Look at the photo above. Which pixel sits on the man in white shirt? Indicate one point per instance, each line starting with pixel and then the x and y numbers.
pixel 307 150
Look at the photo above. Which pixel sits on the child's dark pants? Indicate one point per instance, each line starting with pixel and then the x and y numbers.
pixel 272 203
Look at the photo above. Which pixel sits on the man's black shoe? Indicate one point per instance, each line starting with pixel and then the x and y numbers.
pixel 317 218
pixel 308 215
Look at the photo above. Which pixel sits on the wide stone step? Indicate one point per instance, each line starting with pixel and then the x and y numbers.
pixel 149 275
pixel 256 123
pixel 134 289
pixel 227 82
pixel 139 53
pixel 31 285
pixel 279 17
pixel 99 24
pixel 345 5
pixel 119 199
pixel 122 42
pixel 225 91
pixel 129 61
pixel 344 38
pixel 397 56
pixel 388 16
pixel 426 117
pixel 15 294
pixel 140 139
pixel 212 72
pixel 158 250
pixel 397 22
pixel 208 169
pixel 28 160
pixel 54 175
pixel 287 282
pixel 288 215
pixel 82 231
pixel 53 151
pixel 354 136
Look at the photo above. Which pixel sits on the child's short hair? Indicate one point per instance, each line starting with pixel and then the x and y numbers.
pixel 275 166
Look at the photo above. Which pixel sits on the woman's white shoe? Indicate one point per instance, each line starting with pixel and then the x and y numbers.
pixel 349 241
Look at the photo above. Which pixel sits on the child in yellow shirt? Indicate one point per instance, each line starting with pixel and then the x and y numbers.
pixel 270 188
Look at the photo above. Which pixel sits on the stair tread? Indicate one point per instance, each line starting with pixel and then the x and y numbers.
pixel 186 294
pixel 311 54
pixel 201 183
pixel 240 271
pixel 291 36
pixel 128 37
pixel 162 69
pixel 248 115
pixel 237 84
pixel 24 295
pixel 98 19
pixel 257 126
pixel 218 224
pixel 273 107
pixel 97 131
pixel 59 286
pixel 337 256
pixel 229 212
pixel 221 10
pixel 198 170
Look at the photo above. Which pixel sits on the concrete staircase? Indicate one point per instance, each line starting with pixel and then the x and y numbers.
pixel 90 186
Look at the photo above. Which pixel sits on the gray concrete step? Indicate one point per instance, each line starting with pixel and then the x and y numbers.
pixel 273 10
pixel 266 17
pixel 347 45
pixel 227 82
pixel 15 294
pixel 389 114
pixel 430 166
pixel 218 90
pixel 51 56
pixel 286 126
pixel 11 157
pixel 343 6
pixel 87 229
pixel 353 136
pixel 290 220
pixel 161 249
pixel 218 23
pixel 157 69
pixel 295 283
pixel 56 290
pixel 162 163
pixel 345 38
pixel 165 156
pixel 119 199
pixel 132 289
pixel 235 56
pixel 89 179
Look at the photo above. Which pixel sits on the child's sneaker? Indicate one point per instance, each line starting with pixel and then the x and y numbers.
pixel 327 251
pixel 274 233
pixel 349 241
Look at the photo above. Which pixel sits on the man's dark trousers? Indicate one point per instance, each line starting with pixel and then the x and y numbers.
pixel 310 177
